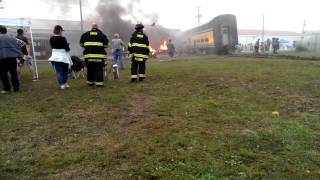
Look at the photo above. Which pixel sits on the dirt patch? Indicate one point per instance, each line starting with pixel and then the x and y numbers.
pixel 225 83
pixel 303 104
pixel 136 110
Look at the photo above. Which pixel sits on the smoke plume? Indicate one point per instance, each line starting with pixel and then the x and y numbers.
pixel 117 18
pixel 113 16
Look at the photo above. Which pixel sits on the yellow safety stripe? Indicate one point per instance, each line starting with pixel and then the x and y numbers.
pixel 140 36
pixel 142 75
pixel 129 44
pixel 93 33
pixel 134 76
pixel 140 55
pixel 81 44
pixel 102 56
pixel 99 83
pixel 140 45
pixel 95 60
pixel 93 44
pixel 138 59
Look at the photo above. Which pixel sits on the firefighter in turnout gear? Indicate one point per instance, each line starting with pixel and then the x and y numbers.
pixel 139 51
pixel 94 43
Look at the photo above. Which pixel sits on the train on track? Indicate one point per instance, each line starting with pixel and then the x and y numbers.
pixel 219 36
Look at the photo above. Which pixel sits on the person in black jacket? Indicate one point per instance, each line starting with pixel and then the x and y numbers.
pixel 139 51
pixel 94 43
pixel 9 52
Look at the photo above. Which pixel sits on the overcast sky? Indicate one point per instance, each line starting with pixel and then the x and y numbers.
pixel 181 14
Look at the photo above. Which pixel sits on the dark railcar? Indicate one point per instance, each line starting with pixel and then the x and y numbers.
pixel 219 36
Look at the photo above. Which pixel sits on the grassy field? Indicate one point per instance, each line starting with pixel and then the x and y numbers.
pixel 301 53
pixel 205 119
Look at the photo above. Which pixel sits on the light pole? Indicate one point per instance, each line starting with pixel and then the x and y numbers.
pixel 81 18
pixel 263 28
pixel 198 15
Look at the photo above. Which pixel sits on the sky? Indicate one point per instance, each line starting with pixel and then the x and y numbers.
pixel 181 14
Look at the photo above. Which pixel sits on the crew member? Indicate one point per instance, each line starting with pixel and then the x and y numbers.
pixel 94 43
pixel 139 50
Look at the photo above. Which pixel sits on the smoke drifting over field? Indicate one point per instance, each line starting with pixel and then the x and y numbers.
pixel 117 18
pixel 113 16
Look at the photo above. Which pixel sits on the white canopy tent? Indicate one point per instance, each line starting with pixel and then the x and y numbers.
pixel 22 22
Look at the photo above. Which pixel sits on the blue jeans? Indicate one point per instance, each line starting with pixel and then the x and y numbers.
pixel 118 55
pixel 61 72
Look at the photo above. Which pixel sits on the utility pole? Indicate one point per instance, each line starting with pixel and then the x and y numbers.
pixel 81 18
pixel 263 28
pixel 303 28
pixel 198 15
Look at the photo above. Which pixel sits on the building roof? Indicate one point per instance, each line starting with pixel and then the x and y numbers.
pixel 255 32
pixel 49 24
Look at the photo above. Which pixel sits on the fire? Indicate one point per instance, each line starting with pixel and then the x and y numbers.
pixel 153 51
pixel 164 46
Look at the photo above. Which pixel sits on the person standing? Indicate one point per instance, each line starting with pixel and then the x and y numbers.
pixel 26 53
pixel 171 49
pixel 60 58
pixel 117 50
pixel 138 48
pixel 9 52
pixel 275 45
pixel 256 46
pixel 94 43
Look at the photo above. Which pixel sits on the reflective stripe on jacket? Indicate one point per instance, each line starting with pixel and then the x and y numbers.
pixel 94 43
pixel 139 46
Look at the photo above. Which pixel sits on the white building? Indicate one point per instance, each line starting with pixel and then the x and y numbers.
pixel 250 36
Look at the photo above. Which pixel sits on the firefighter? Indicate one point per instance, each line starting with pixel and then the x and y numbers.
pixel 139 51
pixel 94 43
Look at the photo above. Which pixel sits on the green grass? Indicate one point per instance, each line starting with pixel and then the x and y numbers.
pixel 204 119
pixel 302 53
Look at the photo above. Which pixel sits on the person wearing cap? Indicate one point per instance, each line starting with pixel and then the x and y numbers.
pixel 60 58
pixel 138 48
pixel 9 52
pixel 117 50
pixel 26 53
pixel 94 43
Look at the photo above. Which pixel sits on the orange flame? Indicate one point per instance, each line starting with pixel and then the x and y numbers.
pixel 153 51
pixel 164 46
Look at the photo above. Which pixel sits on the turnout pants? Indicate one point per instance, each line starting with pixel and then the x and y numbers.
pixel 95 71
pixel 138 70
pixel 9 65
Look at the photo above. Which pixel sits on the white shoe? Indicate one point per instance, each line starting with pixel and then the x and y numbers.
pixel 5 92
pixel 67 85
pixel 62 87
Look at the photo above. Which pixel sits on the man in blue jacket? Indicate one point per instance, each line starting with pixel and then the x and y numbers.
pixel 10 50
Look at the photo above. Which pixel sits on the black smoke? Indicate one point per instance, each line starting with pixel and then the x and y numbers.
pixel 110 18
pixel 113 16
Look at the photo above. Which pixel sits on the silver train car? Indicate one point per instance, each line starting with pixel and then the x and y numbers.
pixel 219 36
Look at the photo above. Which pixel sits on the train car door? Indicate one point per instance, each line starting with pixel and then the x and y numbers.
pixel 225 36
